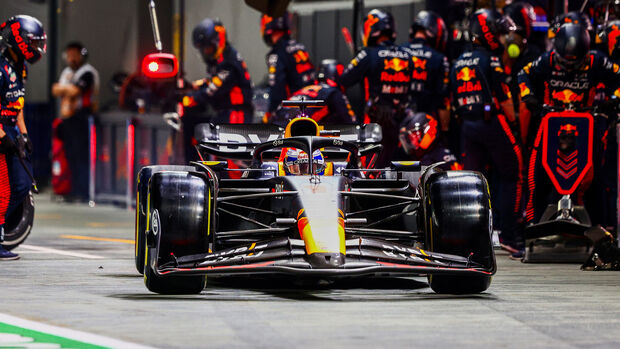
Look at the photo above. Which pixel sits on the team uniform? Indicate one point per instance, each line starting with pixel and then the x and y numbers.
pixel 478 86
pixel 385 71
pixel 551 85
pixel 227 88
pixel 336 110
pixel 14 181
pixel 289 68
pixel 429 78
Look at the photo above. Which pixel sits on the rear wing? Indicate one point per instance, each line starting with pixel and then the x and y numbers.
pixel 236 141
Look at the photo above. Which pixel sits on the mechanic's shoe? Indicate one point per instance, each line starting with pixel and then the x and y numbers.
pixel 6 255
pixel 518 256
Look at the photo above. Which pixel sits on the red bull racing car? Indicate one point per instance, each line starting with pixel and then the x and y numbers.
pixel 207 219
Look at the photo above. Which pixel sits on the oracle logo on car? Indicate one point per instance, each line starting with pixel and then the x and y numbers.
pixel 20 41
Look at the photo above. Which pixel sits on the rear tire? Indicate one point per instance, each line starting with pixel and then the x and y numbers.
pixel 179 219
pixel 18 225
pixel 142 210
pixel 458 221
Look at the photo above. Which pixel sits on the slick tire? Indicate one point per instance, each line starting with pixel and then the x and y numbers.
pixel 179 219
pixel 459 222
pixel 18 225
pixel 141 207
pixel 174 285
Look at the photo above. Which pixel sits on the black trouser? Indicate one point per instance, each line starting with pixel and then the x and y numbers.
pixel 74 133
pixel 483 141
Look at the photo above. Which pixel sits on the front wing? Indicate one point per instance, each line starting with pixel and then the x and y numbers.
pixel 286 256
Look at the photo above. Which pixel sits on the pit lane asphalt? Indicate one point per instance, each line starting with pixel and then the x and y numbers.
pixel 527 306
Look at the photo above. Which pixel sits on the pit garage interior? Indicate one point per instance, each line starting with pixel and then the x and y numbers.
pixel 76 285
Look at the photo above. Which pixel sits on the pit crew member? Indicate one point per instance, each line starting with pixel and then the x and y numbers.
pixel 482 100
pixel 567 77
pixel 430 68
pixel 288 62
pixel 337 109
pixel 385 70
pixel 23 41
pixel 420 141
pixel 227 87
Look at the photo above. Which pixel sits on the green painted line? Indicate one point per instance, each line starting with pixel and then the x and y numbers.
pixel 39 338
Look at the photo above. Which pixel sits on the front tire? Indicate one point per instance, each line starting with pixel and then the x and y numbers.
pixel 180 210
pixel 142 187
pixel 458 221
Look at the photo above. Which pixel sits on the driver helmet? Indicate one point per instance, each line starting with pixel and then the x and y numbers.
pixel 296 162
pixel 209 37
pixel 417 133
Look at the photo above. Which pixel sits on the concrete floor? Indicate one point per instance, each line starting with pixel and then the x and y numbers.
pixel 527 306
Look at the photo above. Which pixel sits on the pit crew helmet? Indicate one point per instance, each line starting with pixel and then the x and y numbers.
pixel 433 27
pixel 209 37
pixel 610 38
pixel 570 17
pixel 523 16
pixel 378 23
pixel 270 25
pixel 417 133
pixel 25 36
pixel 329 72
pixel 296 162
pixel 571 45
pixel 487 26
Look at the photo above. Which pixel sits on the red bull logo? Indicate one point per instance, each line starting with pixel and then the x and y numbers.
pixel 567 96
pixel 524 90
pixel 398 77
pixel 395 64
pixel 568 129
pixel 419 63
pixel 301 56
pixel 466 74
pixel 20 41
pixel 18 104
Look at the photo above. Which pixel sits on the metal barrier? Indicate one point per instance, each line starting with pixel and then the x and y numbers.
pixel 120 144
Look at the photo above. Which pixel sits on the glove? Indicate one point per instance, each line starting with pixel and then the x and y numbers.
pixel 27 143
pixel 7 146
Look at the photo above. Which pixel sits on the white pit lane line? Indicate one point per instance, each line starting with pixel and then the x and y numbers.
pixel 59 252
pixel 62 332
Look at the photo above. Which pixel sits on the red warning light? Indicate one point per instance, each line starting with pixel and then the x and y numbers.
pixel 160 66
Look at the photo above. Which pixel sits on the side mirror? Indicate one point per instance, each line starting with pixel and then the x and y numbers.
pixel 160 66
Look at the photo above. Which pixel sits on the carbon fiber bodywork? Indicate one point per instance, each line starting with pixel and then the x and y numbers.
pixel 402 220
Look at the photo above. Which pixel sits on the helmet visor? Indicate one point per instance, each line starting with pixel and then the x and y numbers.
pixel 570 63
pixel 39 43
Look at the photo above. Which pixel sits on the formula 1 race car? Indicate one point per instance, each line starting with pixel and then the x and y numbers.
pixel 347 221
